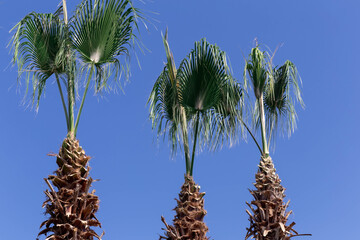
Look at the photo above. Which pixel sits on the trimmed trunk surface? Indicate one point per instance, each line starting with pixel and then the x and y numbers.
pixel 188 223
pixel 268 220
pixel 71 207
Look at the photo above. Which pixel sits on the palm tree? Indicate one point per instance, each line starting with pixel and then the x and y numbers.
pixel 47 45
pixel 200 98
pixel 274 89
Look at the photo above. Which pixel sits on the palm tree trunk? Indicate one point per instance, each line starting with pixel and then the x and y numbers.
pixel 190 213
pixel 71 207
pixel 268 220
pixel 263 129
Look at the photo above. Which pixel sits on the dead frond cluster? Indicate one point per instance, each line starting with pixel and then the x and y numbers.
pixel 190 213
pixel 71 208
pixel 268 220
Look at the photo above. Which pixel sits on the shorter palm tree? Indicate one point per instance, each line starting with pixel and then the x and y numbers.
pixel 274 88
pixel 47 45
pixel 197 98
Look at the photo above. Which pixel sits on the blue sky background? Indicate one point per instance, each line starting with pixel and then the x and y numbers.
pixel 139 180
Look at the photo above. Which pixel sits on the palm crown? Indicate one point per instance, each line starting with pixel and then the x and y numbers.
pixel 276 88
pixel 98 33
pixel 200 96
pixel 37 42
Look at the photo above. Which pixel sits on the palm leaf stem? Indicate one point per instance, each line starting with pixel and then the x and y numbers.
pixel 271 131
pixel 71 103
pixel 262 119
pixel 185 140
pixel 83 98
pixel 70 82
pixel 195 139
pixel 63 101
pixel 65 12
pixel 252 135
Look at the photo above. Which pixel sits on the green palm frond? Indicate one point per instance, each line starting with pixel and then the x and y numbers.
pixel 256 67
pixel 201 76
pixel 102 31
pixel 280 103
pixel 165 109
pixel 38 49
pixel 207 88
pixel 228 112
pixel 199 97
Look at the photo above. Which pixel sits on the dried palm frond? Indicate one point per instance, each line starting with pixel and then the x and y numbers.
pixel 268 220
pixel 190 213
pixel 71 208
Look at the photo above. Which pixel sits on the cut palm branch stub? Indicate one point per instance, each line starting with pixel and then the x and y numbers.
pixel 71 208
pixel 190 213
pixel 268 216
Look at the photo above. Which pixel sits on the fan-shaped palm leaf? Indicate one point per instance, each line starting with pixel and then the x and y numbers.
pixel 102 31
pixel 164 107
pixel 228 111
pixel 165 110
pixel 38 46
pixel 209 94
pixel 279 103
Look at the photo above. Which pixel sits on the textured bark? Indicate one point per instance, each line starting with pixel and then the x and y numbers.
pixel 71 208
pixel 188 223
pixel 268 220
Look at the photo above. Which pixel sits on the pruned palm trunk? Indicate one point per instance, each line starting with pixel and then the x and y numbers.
pixel 268 220
pixel 188 223
pixel 71 207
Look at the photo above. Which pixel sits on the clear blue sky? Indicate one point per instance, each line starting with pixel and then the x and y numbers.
pixel 139 181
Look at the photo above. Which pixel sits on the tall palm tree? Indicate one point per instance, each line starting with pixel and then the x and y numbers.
pixel 47 45
pixel 274 89
pixel 200 98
